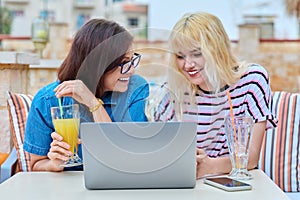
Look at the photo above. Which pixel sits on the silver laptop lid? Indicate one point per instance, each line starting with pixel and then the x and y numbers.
pixel 124 155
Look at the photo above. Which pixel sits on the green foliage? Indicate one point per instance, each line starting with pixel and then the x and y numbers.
pixel 5 20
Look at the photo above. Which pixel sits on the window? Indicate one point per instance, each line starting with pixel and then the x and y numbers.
pixel 112 1
pixel 299 29
pixel 17 13
pixel 81 19
pixel 265 24
pixel 48 14
pixel 133 22
pixel 266 30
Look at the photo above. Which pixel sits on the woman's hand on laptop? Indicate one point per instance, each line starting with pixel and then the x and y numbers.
pixel 201 159
pixel 205 165
pixel 208 166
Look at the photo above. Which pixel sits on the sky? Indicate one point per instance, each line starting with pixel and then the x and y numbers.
pixel 163 14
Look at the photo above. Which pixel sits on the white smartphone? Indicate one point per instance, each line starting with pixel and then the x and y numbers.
pixel 227 184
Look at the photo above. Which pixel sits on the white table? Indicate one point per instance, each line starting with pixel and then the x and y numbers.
pixel 70 186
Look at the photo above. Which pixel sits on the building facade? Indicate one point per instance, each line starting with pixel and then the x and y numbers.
pixel 75 13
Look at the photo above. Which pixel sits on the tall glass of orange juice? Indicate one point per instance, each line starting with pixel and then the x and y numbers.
pixel 66 121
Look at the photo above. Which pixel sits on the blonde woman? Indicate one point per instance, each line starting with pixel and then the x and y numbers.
pixel 204 74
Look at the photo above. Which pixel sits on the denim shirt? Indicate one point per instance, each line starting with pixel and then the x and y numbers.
pixel 121 106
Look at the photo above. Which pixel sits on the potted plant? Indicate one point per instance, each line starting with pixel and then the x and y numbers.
pixel 5 20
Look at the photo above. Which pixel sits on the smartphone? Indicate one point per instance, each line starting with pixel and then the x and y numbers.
pixel 227 184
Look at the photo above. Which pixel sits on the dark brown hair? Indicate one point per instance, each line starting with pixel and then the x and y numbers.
pixel 98 47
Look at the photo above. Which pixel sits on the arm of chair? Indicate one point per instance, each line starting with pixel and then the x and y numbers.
pixel 7 168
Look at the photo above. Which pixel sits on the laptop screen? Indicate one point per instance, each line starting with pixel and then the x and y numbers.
pixel 139 154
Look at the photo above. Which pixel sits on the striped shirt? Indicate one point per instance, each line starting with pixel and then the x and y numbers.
pixel 250 96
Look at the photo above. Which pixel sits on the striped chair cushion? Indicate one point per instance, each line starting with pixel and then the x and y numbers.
pixel 18 106
pixel 280 153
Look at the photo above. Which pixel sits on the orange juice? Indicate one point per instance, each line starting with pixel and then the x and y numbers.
pixel 68 129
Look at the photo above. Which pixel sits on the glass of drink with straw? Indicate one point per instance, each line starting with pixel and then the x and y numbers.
pixel 160 104
pixel 238 131
pixel 66 121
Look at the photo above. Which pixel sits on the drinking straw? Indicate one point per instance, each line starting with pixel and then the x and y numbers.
pixel 232 121
pixel 60 108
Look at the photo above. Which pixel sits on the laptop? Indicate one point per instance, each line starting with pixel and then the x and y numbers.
pixel 132 155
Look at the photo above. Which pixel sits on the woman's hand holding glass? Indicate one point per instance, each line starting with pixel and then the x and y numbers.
pixel 66 121
pixel 59 150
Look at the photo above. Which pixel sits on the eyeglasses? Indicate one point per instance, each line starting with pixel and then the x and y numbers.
pixel 126 66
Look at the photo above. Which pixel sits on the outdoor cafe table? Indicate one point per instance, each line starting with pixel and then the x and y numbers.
pixel 70 186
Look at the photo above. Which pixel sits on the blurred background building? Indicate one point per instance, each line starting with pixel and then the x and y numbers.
pixel 75 13
pixel 262 31
pixel 271 16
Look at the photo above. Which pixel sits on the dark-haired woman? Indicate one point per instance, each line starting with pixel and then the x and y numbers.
pixel 98 74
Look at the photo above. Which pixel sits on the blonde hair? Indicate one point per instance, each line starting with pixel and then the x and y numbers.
pixel 205 31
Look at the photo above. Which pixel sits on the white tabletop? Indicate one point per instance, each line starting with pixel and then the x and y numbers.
pixel 70 185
